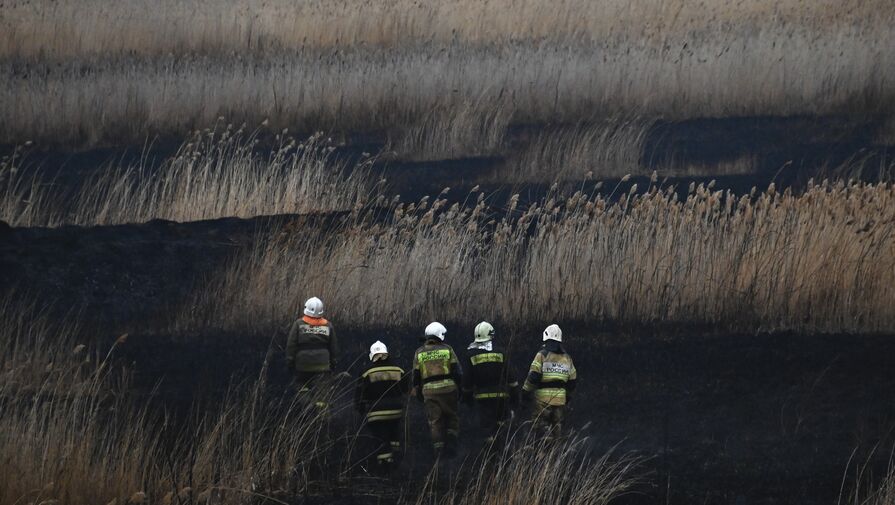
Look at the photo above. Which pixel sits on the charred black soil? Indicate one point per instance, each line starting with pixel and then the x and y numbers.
pixel 722 418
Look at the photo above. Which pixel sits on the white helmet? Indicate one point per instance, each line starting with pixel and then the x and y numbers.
pixel 484 332
pixel 377 348
pixel 553 333
pixel 314 307
pixel 436 330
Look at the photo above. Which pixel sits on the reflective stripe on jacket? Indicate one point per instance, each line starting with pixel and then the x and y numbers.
pixel 380 391
pixel 551 376
pixel 490 375
pixel 436 368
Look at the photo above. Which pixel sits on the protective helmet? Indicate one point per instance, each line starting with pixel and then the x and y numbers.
pixel 314 307
pixel 484 332
pixel 377 348
pixel 436 330
pixel 553 333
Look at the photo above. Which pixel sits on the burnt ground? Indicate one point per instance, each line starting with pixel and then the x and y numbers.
pixel 723 418
pixel 786 150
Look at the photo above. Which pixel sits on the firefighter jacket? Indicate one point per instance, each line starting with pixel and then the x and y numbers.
pixel 436 369
pixel 311 346
pixel 380 391
pixel 552 375
pixel 489 375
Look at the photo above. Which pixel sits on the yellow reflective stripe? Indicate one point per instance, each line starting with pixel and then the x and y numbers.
pixel 551 393
pixel 385 456
pixel 535 366
pixel 482 396
pixel 557 376
pixel 385 415
pixel 383 369
pixel 439 384
pixel 444 355
pixel 488 357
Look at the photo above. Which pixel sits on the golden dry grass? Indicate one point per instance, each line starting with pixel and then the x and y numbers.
pixel 607 149
pixel 530 470
pixel 216 173
pixel 405 61
pixel 821 261
pixel 76 28
pixel 71 432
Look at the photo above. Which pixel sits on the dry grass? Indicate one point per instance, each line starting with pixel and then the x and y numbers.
pixel 470 128
pixel 608 149
pixel 530 470
pixel 821 261
pixel 70 432
pixel 79 438
pixel 77 28
pixel 215 173
pixel 373 66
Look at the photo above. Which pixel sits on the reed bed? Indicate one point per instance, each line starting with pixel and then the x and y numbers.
pixel 470 128
pixel 531 470
pixel 86 439
pixel 607 149
pixel 64 29
pixel 765 66
pixel 71 432
pixel 215 173
pixel 820 261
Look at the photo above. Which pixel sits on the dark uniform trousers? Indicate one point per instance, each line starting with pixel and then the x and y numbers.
pixel 387 433
pixel 444 424
pixel 493 414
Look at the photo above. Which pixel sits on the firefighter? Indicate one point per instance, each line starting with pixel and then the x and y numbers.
pixel 437 378
pixel 311 348
pixel 551 380
pixel 380 396
pixel 489 381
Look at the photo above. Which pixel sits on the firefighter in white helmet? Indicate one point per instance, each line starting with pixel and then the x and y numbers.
pixel 311 349
pixel 551 379
pixel 380 396
pixel 489 381
pixel 437 378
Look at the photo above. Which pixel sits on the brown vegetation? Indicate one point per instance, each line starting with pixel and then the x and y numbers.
pixel 215 173
pixel 821 261
pixel 394 65
pixel 79 28
pixel 70 432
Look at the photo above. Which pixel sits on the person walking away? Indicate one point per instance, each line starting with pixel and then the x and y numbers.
pixel 437 377
pixel 489 382
pixel 311 349
pixel 380 396
pixel 551 380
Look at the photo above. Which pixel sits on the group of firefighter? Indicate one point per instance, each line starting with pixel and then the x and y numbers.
pixel 440 379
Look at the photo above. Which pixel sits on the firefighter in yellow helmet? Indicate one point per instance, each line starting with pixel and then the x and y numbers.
pixel 380 396
pixel 437 377
pixel 311 349
pixel 489 381
pixel 551 380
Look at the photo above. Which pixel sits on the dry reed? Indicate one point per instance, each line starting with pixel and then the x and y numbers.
pixel 530 470
pixel 821 261
pixel 607 149
pixel 563 64
pixel 79 28
pixel 215 173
